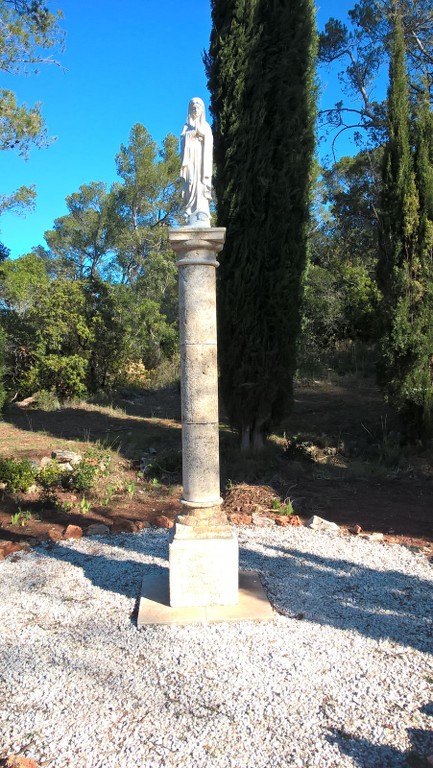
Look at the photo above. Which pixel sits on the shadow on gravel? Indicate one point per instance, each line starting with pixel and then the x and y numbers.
pixel 122 577
pixel 364 753
pixel 378 604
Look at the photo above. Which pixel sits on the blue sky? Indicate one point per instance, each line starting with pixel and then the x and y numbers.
pixel 139 61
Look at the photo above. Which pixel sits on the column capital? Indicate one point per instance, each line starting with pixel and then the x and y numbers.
pixel 195 239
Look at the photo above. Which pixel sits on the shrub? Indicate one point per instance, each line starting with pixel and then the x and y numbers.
pixel 18 475
pixel 50 476
pixel 83 476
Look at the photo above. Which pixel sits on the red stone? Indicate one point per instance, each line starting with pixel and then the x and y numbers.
pixel 237 518
pixel 54 535
pixel 18 761
pixel 356 529
pixel 285 520
pixel 8 548
pixel 123 525
pixel 73 532
pixel 161 521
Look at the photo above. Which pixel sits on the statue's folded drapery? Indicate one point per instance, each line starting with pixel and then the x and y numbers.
pixel 196 170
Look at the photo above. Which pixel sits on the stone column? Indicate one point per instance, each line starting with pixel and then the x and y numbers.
pixel 203 553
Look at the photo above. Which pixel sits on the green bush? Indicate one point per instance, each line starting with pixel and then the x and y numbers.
pixel 50 476
pixel 83 476
pixel 95 462
pixel 62 374
pixel 18 475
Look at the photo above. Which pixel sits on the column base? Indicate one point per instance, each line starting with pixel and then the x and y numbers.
pixel 203 571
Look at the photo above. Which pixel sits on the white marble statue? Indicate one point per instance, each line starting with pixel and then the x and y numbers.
pixel 196 172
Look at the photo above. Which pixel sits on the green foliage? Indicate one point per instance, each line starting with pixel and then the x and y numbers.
pixel 83 476
pixel 362 47
pixel 18 475
pixel 283 508
pixel 95 463
pixel 47 401
pixel 21 281
pixel 80 241
pixel 405 268
pixel 23 199
pixel 59 341
pixel 85 506
pixel 142 205
pixel 50 476
pixel 104 297
pixel 26 30
pixel 22 517
pixel 261 77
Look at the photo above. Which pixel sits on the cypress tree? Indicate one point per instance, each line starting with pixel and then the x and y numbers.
pixel 405 268
pixel 261 78
pixel 421 411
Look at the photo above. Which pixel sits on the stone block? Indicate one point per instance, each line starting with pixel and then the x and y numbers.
pixel 200 460
pixel 197 305
pixel 203 572
pixel 199 383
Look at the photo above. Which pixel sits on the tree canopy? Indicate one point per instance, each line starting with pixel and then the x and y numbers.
pixel 28 31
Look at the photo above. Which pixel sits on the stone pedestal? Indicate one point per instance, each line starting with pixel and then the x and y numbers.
pixel 203 554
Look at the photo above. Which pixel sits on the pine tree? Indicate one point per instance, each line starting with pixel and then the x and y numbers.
pixel 404 270
pixel 261 77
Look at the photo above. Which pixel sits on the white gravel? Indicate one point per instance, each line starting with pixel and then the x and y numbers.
pixel 342 677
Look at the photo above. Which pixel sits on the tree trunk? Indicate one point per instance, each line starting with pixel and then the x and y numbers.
pixel 252 439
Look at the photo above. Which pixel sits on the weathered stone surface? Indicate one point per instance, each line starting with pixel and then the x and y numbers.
pixel 286 520
pixel 63 457
pixel 355 529
pixel 197 297
pixel 97 529
pixel 200 462
pixel 122 525
pixel 199 383
pixel 237 518
pixel 54 535
pixel 73 532
pixel 202 539
pixel 376 536
pixel 140 524
pixel 197 577
pixel 18 761
pixel 319 524
pixel 9 547
pixel 161 521
pixel 260 520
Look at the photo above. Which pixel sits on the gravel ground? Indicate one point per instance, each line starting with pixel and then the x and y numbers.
pixel 343 676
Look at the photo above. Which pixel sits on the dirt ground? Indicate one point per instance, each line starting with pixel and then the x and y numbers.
pixel 338 455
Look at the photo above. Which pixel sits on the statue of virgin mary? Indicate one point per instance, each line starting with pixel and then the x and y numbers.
pixel 196 172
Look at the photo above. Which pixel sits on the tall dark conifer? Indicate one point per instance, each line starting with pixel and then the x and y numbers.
pixel 261 77
pixel 405 265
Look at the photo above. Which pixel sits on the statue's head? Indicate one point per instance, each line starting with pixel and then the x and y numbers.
pixel 196 110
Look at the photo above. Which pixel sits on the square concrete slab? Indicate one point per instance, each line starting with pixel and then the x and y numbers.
pixel 155 605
